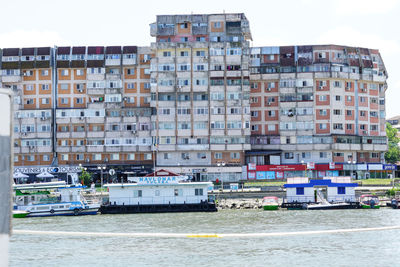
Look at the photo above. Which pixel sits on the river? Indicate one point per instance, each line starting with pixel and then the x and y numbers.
pixel 372 248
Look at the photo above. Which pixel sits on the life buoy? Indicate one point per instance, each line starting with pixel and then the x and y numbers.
pixel 52 211
pixel 76 212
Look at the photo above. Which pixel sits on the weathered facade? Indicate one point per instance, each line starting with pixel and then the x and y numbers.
pixel 198 101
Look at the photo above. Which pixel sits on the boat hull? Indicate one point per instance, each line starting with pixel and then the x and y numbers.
pixel 365 206
pixel 270 207
pixel 21 214
pixel 127 209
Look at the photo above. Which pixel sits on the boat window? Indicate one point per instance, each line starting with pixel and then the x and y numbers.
pixel 299 190
pixel 42 208
pixel 198 191
pixel 157 193
pixel 61 207
pixel 341 190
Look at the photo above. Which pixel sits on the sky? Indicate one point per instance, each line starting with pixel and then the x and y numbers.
pixel 362 23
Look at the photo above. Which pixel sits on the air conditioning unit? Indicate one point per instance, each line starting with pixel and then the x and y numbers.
pixel 364 132
pixel 269 104
pixel 133 131
pixel 87 160
pixel 80 90
pixel 42 118
pixel 24 134
pixel 320 87
pixel 31 147
pixel 269 89
pixel 81 118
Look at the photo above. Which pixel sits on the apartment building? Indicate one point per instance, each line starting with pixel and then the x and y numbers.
pixel 87 106
pixel 317 104
pixel 200 89
pixel 198 101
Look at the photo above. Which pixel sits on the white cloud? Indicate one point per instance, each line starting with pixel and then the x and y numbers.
pixel 363 7
pixel 32 38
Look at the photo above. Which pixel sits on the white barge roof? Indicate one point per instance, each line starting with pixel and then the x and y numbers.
pixel 166 184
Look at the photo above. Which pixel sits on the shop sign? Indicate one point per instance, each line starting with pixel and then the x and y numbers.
pixel 389 167
pixel 311 165
pixel 332 165
pixel 375 167
pixel 252 166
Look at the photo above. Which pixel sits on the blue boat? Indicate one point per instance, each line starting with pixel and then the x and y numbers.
pixel 53 199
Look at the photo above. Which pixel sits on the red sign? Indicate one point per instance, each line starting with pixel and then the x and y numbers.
pixel 310 165
pixel 294 167
pixel 332 165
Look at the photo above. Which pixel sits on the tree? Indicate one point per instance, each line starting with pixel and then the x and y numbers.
pixel 393 153
pixel 85 177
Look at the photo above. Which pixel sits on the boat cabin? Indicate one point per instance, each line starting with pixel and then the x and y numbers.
pixel 331 189
pixel 160 188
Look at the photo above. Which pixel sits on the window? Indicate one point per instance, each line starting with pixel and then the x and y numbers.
pixel 198 191
pixel 64 100
pixel 64 72
pixel 337 84
pixel 114 156
pixel 79 72
pixel 45 72
pixel 323 98
pixel 184 39
pixel 185 156
pixel 349 112
pixel 96 156
pixel 131 156
pixel 349 98
pixel 235 155
pixel 166 53
pixel 338 126
pixel 289 155
pixel 130 71
pixel 363 99
pixel 322 126
pixel 337 112
pixel 64 157
pixel 183 25
pixel 323 155
pixel 201 155
pixel 184 53
pixel 167 155
pixel 341 190
pixel 218 155
pixel 46 157
pixel 45 87
pixel 200 53
pixel 349 126
pixel 217 24
pixel 306 155
pixel 338 98
pixel 322 112
pixel 178 192
pixel 45 101
pixel 137 193
pixel 299 190
pixel 147 156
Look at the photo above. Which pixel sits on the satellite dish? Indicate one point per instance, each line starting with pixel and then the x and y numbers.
pixel 290 113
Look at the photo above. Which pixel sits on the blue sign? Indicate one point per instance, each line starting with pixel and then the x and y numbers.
pixel 260 175
pixel 389 167
pixel 270 175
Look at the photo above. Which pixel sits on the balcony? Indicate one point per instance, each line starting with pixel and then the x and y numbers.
pixel 99 134
pixel 78 149
pixel 193 147
pixel 63 149
pixel 113 62
pixel 95 91
pixel 129 61
pixel 11 79
pixel 95 148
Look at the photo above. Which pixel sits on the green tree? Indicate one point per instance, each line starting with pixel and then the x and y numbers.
pixel 85 177
pixel 393 153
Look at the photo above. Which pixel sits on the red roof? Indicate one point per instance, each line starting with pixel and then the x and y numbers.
pixel 162 172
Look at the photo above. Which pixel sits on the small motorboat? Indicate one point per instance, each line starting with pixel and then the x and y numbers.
pixel 270 203
pixel 369 202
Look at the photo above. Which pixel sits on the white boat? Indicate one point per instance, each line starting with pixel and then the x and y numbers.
pixel 53 199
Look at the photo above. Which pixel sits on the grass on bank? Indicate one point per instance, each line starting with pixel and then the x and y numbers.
pixel 366 182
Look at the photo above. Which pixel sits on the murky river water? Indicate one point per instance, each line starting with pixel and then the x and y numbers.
pixel 374 248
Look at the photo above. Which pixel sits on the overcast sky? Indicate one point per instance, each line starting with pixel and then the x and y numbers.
pixel 364 23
